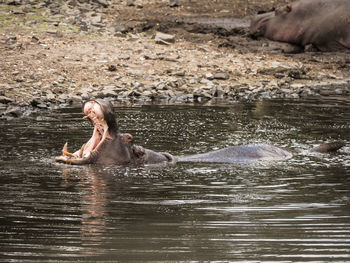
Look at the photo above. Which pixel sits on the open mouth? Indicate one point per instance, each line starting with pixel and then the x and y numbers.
pixel 93 111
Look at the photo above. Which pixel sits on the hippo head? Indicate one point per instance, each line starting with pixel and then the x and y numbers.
pixel 106 144
pixel 259 23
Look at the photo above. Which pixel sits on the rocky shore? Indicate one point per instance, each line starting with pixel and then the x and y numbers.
pixel 57 53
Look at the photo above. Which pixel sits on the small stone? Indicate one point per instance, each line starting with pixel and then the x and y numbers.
pixel 174 3
pixel 97 19
pixel 118 28
pixel 13 112
pixel 209 76
pixel 5 100
pixel 164 39
pixel 130 3
pixel 35 39
pixel 52 32
pixel 124 57
pixel 104 3
pixel 179 73
pixel 11 40
pixel 112 68
pixel 221 76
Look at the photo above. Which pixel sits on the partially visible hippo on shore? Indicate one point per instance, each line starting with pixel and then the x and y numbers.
pixel 324 24
pixel 108 146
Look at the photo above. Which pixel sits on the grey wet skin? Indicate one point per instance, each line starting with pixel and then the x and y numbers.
pixel 108 146
pixel 324 24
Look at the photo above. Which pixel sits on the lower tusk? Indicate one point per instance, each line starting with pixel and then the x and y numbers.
pixel 67 153
pixel 81 151
pixel 65 150
pixel 85 117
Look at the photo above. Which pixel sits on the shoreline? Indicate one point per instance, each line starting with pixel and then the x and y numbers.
pixel 48 62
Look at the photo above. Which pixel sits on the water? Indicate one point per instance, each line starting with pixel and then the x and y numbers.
pixel 296 210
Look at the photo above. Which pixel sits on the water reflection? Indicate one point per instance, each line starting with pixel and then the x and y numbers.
pixel 293 211
pixel 92 190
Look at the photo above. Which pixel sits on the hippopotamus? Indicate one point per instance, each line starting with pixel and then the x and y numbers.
pixel 323 24
pixel 108 146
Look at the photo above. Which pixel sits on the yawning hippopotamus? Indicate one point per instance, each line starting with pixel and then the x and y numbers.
pixel 324 24
pixel 108 146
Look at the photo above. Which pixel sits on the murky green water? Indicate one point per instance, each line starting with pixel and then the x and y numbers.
pixel 288 211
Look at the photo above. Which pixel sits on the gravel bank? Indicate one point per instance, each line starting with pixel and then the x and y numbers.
pixel 57 53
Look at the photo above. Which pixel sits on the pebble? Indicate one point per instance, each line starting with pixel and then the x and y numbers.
pixel 5 100
pixel 164 39
pixel 221 76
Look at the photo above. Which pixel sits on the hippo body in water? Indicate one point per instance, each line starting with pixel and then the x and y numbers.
pixel 324 24
pixel 108 146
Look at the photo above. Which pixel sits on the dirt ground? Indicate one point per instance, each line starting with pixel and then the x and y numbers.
pixel 55 53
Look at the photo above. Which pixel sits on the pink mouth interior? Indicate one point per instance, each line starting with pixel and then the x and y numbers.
pixel 93 111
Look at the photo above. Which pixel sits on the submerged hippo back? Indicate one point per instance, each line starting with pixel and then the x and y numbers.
pixel 244 153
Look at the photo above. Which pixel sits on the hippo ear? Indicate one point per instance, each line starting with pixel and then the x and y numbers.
pixel 139 151
pixel 289 8
pixel 128 138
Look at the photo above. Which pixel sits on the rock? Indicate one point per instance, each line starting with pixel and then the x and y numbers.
pixel 219 92
pixel 35 39
pixel 52 32
pixel 221 76
pixel 164 39
pixel 179 73
pixel 13 112
pixel 96 19
pixel 174 3
pixel 118 28
pixel 124 57
pixel 11 41
pixel 112 68
pixel 130 2
pixel 104 3
pixel 296 73
pixel 5 100
pixel 209 76
pixel 14 2
pixel 37 103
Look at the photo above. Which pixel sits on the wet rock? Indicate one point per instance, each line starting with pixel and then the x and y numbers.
pixel 38 103
pixel 13 112
pixel 164 39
